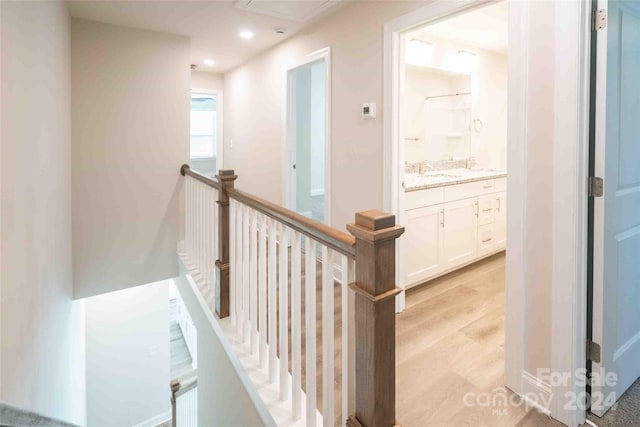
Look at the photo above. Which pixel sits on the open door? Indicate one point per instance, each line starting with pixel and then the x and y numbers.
pixel 616 260
pixel 307 157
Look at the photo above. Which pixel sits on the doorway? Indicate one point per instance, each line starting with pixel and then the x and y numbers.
pixel 567 156
pixel 206 132
pixel 307 156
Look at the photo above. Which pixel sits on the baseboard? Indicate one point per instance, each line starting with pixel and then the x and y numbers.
pixel 536 393
pixel 156 421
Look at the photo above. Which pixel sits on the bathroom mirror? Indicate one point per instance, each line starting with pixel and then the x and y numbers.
pixel 438 115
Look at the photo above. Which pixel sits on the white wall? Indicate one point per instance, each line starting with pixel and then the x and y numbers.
pixel 539 189
pixel 128 355
pixel 206 80
pixel 489 97
pixel 254 108
pixel 130 134
pixel 41 327
pixel 431 121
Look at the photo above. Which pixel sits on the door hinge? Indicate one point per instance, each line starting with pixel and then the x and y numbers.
pixel 599 19
pixel 596 186
pixel 593 351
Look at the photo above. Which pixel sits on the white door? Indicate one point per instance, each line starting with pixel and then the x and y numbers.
pixel 422 242
pixel 616 301
pixel 460 232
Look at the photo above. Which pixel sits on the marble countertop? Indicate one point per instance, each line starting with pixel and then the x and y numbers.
pixel 441 178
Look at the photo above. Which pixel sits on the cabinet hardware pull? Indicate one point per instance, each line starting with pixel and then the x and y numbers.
pixel 477 209
pixel 487 240
pixel 499 204
pixel 442 222
pixel 487 210
pixel 487 186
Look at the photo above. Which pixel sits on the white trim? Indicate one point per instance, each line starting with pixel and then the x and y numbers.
pixel 570 204
pixel 597 319
pixel 155 420
pixel 220 124
pixel 317 192
pixel 323 54
pixel 536 393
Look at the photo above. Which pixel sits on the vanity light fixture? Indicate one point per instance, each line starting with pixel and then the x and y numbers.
pixel 418 52
pixel 246 34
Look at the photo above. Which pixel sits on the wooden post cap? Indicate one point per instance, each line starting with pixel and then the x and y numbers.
pixel 375 226
pixel 226 175
pixel 375 220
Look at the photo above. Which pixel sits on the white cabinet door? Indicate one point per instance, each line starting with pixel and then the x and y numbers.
pixel 460 232
pixel 422 243
pixel 500 220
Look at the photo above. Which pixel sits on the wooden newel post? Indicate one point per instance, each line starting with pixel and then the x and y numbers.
pixel 226 178
pixel 175 386
pixel 375 288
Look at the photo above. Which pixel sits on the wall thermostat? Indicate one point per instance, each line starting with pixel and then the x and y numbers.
pixel 369 110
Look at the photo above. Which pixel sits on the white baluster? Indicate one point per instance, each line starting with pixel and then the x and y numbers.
pixel 273 308
pixel 262 289
pixel 296 350
pixel 310 326
pixel 283 253
pixel 232 261
pixel 352 341
pixel 239 269
pixel 345 335
pixel 187 214
pixel 328 404
pixel 208 254
pixel 253 265
pixel 245 272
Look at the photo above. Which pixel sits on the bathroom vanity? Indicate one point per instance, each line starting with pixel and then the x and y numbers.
pixel 452 218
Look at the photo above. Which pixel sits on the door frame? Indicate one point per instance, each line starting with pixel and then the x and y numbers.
pixel 219 123
pixel 568 284
pixel 288 150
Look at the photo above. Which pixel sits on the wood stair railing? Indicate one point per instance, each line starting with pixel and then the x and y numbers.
pixel 254 276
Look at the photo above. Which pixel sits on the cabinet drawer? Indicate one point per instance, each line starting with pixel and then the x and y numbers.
pixel 423 198
pixel 474 189
pixel 486 239
pixel 486 209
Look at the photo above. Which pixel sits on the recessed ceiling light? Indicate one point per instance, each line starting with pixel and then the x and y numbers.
pixel 209 62
pixel 246 34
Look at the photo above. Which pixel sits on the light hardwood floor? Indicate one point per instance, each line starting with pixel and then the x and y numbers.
pixel 450 342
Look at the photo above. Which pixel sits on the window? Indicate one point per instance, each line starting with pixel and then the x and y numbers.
pixel 204 126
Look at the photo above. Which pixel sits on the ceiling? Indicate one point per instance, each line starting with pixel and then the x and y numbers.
pixel 212 25
pixel 485 28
